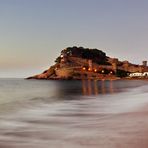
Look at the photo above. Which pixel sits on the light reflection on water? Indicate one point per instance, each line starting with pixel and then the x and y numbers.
pixel 73 114
pixel 90 87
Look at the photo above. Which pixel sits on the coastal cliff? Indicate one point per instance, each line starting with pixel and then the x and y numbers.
pixel 85 63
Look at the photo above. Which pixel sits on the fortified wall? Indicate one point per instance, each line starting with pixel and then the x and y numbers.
pixel 126 66
pixel 114 64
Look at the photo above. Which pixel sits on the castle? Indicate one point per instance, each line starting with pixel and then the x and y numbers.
pixel 79 62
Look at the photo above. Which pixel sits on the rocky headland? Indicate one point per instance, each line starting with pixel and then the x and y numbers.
pixel 85 63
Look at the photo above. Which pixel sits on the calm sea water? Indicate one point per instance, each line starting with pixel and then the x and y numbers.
pixel 73 114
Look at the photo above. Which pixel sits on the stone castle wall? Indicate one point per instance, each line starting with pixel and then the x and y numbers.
pixel 64 72
pixel 125 65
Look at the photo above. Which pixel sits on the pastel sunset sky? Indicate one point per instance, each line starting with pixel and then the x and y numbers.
pixel 33 32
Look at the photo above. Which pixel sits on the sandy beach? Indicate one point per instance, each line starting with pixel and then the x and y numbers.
pixel 125 130
pixel 53 114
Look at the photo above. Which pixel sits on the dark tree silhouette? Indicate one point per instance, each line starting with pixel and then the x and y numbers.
pixel 95 55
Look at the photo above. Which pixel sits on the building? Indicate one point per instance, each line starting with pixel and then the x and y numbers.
pixel 136 74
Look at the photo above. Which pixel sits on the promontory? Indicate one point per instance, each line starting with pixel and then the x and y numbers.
pixel 85 63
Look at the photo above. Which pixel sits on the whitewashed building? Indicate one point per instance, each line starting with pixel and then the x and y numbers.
pixel 136 74
pixel 145 74
pixel 139 74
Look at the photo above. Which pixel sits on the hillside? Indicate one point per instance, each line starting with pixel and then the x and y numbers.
pixel 85 63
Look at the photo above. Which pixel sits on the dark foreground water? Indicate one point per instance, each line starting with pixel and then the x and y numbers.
pixel 73 114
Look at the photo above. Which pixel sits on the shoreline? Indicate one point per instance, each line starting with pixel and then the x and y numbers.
pixel 97 79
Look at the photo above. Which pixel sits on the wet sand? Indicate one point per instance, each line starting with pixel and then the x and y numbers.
pixel 36 129
pixel 108 115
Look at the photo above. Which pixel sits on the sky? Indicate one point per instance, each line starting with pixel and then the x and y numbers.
pixel 33 32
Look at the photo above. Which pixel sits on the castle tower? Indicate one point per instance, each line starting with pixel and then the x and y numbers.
pixel 90 65
pixel 63 58
pixel 126 65
pixel 144 63
pixel 114 64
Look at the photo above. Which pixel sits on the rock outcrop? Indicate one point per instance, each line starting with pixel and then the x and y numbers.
pixel 85 63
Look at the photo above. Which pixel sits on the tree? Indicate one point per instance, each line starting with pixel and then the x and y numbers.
pixel 121 73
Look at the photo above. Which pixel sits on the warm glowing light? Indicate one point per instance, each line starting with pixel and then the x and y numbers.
pixel 95 70
pixel 111 72
pixel 102 71
pixel 89 69
pixel 61 56
pixel 83 68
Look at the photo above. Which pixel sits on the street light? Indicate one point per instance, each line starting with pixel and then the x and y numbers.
pixel 89 69
pixel 95 70
pixel 83 68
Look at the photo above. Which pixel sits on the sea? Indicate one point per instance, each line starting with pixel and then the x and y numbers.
pixel 73 113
